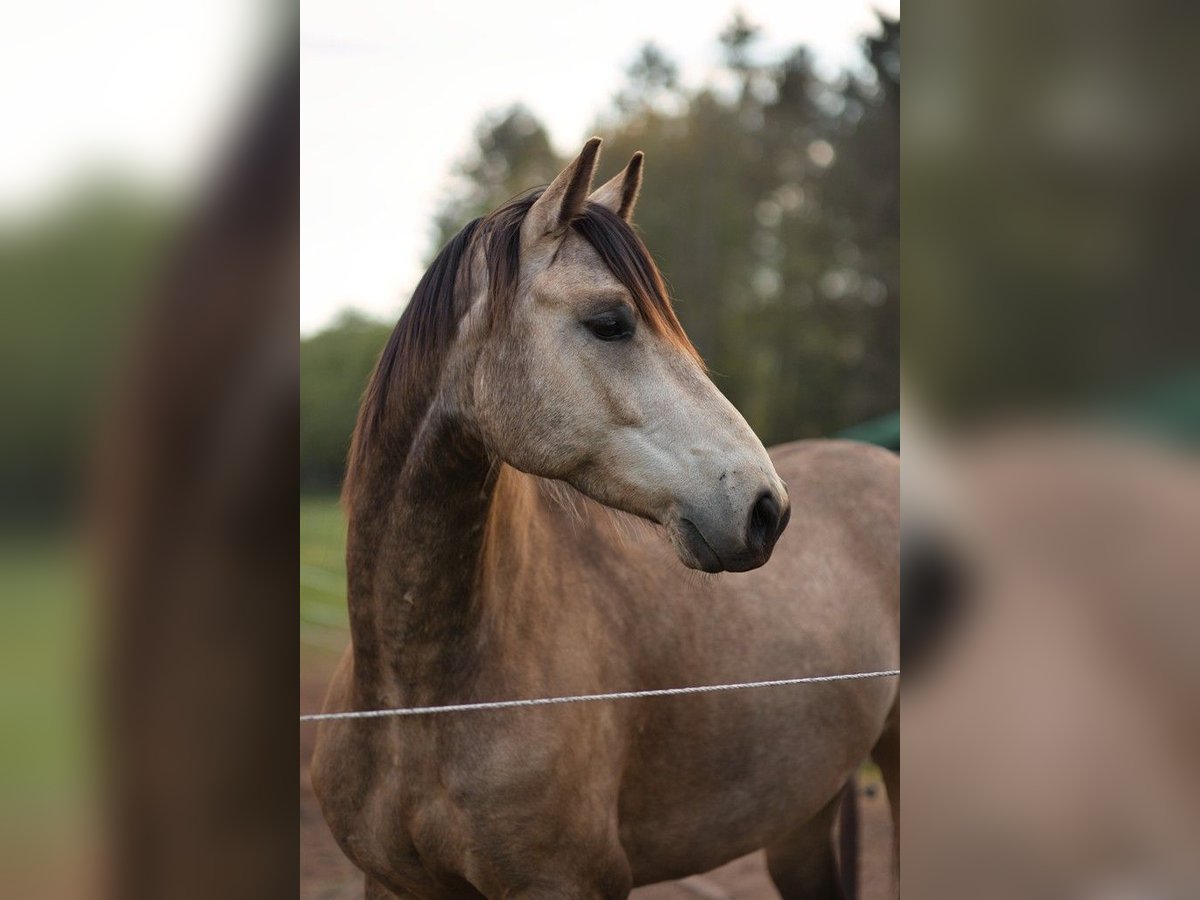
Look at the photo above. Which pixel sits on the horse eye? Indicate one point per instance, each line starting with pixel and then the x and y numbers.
pixel 616 325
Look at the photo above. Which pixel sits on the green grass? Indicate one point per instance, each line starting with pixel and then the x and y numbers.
pixel 46 670
pixel 323 621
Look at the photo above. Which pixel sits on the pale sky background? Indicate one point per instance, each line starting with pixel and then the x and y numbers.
pixel 391 93
pixel 147 89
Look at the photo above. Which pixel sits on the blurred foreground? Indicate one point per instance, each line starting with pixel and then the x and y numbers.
pixel 1051 723
pixel 147 517
pixel 1051 418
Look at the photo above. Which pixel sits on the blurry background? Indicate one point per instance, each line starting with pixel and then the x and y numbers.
pixel 116 123
pixel 1050 486
pixel 103 157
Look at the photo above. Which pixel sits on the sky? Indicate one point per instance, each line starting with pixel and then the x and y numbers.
pixel 139 88
pixel 391 93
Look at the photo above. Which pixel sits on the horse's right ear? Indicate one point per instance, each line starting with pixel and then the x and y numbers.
pixel 552 212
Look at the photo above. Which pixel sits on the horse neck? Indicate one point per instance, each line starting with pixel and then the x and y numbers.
pixel 414 543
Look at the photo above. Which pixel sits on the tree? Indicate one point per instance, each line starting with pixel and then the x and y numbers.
pixel 653 79
pixel 737 38
pixel 513 154
pixel 334 367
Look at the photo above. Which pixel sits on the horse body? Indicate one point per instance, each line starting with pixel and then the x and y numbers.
pixel 573 600
pixel 470 580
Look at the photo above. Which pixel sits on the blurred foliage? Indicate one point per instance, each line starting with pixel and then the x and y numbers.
pixel 334 366
pixel 1050 224
pixel 513 155
pixel 772 205
pixel 68 279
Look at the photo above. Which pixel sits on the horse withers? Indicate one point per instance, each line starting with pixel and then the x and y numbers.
pixel 536 405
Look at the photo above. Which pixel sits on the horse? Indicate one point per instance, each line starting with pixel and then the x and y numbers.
pixel 537 421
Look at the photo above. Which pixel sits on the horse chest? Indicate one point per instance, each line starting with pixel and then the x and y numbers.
pixel 453 805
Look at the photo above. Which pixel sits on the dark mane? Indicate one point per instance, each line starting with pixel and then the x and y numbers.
pixel 417 345
pixel 404 380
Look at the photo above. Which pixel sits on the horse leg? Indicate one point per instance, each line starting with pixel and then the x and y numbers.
pixel 802 862
pixel 886 754
pixel 848 839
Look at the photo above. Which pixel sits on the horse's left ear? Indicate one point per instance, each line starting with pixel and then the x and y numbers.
pixel 553 211
pixel 620 193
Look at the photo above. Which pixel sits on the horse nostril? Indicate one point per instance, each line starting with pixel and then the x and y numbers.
pixel 765 523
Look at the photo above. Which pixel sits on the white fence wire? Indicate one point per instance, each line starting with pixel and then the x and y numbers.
pixel 592 698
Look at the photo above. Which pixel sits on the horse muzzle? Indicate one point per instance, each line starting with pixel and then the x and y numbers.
pixel 745 543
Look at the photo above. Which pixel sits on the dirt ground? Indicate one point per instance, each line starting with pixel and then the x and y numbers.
pixel 325 874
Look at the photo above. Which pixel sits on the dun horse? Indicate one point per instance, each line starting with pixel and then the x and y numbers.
pixel 538 376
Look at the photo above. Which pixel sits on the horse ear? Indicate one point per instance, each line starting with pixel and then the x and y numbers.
pixel 619 194
pixel 562 201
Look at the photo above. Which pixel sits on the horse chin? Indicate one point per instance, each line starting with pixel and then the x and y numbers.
pixel 696 552
pixel 693 550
